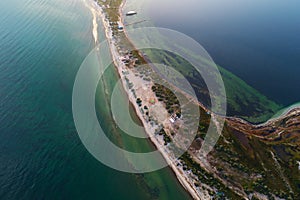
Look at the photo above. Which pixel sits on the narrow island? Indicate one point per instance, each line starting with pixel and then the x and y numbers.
pixel 248 159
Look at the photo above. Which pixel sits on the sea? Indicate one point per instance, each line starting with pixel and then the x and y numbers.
pixel 258 41
pixel 42 45
pixel 44 42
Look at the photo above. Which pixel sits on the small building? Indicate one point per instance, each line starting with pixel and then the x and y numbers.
pixel 172 120
pixel 174 117
pixel 120 26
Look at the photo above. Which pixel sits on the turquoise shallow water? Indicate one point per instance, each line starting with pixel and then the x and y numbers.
pixel 42 44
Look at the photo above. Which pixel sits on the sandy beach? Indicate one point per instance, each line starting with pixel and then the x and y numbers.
pixel 121 67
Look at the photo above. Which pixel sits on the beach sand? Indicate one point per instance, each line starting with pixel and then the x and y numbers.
pixel 181 175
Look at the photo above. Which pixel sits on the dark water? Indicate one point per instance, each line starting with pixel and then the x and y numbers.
pixel 42 44
pixel 259 41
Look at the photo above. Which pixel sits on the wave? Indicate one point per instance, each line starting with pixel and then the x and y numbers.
pixel 94 8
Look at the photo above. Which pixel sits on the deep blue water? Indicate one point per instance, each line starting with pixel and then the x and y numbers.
pixel 259 41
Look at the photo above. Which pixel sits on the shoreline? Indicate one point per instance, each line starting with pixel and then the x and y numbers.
pixel 183 180
pixel 284 112
pixel 181 176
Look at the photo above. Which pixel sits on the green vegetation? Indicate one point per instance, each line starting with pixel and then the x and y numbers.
pixel 207 178
pixel 139 102
pixel 167 138
pixel 111 8
pixel 247 161
pixel 168 97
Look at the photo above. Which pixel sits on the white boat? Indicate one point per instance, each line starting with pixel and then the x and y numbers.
pixel 132 12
